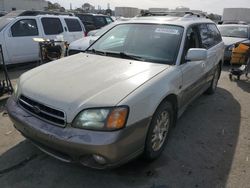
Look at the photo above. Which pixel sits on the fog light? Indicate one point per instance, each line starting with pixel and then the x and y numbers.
pixel 99 159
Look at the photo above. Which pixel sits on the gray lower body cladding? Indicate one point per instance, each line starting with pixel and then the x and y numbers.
pixel 77 145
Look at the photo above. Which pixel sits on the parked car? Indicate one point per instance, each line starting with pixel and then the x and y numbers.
pixel 94 21
pixel 82 44
pixel 233 34
pixel 2 13
pixel 121 98
pixel 17 34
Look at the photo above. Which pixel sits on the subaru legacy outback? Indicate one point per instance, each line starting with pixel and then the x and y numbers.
pixel 121 98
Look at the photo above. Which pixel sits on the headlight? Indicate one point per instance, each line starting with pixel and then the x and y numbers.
pixel 102 119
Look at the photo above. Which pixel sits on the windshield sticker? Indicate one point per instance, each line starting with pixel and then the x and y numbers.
pixel 167 31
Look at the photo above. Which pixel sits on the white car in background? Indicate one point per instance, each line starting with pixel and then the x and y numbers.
pixel 233 34
pixel 82 44
pixel 17 34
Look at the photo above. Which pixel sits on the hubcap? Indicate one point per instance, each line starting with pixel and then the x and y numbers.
pixel 160 130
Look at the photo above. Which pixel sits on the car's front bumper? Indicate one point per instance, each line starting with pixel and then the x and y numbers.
pixel 76 145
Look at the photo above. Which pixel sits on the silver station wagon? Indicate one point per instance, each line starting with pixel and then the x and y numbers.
pixel 121 98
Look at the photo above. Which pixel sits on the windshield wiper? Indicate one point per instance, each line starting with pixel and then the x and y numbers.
pixel 120 54
pixel 125 55
pixel 97 52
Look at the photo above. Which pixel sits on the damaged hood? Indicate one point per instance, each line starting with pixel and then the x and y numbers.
pixel 85 81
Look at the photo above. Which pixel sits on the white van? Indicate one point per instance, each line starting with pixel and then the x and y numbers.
pixel 17 33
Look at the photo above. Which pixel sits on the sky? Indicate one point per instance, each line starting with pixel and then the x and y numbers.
pixel 210 6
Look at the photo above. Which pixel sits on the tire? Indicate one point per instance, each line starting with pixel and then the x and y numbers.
pixel 159 130
pixel 213 86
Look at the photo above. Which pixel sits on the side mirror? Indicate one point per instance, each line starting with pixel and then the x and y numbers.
pixel 196 54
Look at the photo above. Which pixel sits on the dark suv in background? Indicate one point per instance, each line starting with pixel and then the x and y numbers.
pixel 94 21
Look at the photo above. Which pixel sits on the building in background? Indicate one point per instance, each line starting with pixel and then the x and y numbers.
pixel 127 12
pixel 236 14
pixel 9 5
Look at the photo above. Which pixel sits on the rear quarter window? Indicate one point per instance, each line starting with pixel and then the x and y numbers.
pixel 52 26
pixel 73 25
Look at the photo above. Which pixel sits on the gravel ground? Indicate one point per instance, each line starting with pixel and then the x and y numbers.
pixel 209 147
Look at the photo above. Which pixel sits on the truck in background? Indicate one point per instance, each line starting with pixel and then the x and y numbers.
pixel 236 15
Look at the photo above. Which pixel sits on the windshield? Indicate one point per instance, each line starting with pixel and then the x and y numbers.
pixel 234 31
pixel 145 42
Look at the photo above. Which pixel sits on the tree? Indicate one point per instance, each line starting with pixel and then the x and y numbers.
pixel 108 12
pixel 55 6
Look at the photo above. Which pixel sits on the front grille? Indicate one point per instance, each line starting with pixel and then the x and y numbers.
pixel 73 52
pixel 43 112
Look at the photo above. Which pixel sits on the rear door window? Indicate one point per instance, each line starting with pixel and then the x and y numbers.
pixel 73 25
pixel 52 26
pixel 24 28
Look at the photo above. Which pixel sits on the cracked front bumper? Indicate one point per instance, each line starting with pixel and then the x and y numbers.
pixel 76 145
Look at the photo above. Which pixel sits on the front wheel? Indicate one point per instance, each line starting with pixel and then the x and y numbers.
pixel 158 132
pixel 214 82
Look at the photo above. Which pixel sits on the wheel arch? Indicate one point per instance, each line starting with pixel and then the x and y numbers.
pixel 173 99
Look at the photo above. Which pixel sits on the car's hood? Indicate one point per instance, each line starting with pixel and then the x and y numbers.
pixel 228 41
pixel 83 43
pixel 84 81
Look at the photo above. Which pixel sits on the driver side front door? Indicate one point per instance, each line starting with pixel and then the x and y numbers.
pixel 193 73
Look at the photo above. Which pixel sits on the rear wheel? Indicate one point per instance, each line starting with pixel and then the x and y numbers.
pixel 158 132
pixel 213 85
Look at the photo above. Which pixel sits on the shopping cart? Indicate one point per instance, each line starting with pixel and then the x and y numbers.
pixel 240 56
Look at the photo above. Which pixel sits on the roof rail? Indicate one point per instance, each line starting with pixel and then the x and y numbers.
pixel 35 13
pixel 173 13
